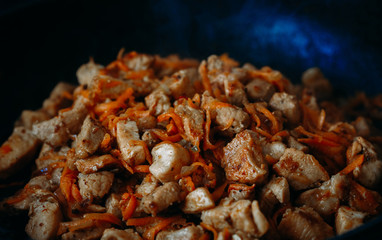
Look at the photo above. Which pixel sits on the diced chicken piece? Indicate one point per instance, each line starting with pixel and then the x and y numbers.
pixel 150 139
pixel 49 155
pixel 95 163
pixel 364 200
pixel 288 105
pixel 362 126
pixel 28 118
pixel 112 205
pixel 139 61
pixel 57 99
pixel 86 72
pixel 17 151
pixel 95 185
pixel 243 160
pixel 214 63
pixel 168 160
pixel 43 182
pixel 186 233
pixel 198 200
pixel 274 149
pixel 274 192
pixel 241 216
pixel 57 131
pixel 314 80
pixel 230 119
pixel 304 223
pixel 181 83
pixel 348 219
pixel 259 219
pixel 148 185
pixel 260 90
pixel 301 170
pixel 326 199
pixel 89 138
pixel 193 121
pixel 86 234
pixel 161 198
pixel 132 149
pixel 219 217
pixel 44 218
pixel 117 234
pixel 240 191
pixel 158 102
pixel 293 143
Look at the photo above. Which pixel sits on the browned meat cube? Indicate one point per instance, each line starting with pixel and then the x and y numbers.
pixel 86 72
pixel 364 200
pixel 95 163
pixel 243 159
pixel 161 198
pixel 112 205
pixel 44 218
pixel 57 99
pixel 293 143
pixel 17 151
pixel 117 234
pixel 274 192
pixel 86 234
pixel 95 185
pixel 168 160
pixel 259 90
pixel 186 233
pixel 326 199
pixel 158 102
pixel 49 155
pixel 181 84
pixel 288 105
pixel 57 130
pixel 301 170
pixel 139 61
pixel 314 80
pixel 274 149
pixel 304 224
pixel 198 200
pixel 348 219
pixel 147 186
pixel 89 138
pixel 28 118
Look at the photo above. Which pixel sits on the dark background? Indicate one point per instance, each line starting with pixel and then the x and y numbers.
pixel 45 41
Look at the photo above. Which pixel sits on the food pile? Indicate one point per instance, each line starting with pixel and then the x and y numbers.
pixel 168 148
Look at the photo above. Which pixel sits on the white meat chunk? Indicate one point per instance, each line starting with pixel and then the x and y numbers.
pixel 362 126
pixel 158 102
pixel 132 149
pixel 288 105
pixel 186 233
pixel 237 216
pixel 274 149
pixel 274 192
pixel 95 163
pixel 193 121
pixel 86 234
pixel 181 83
pixel 304 224
pixel 86 72
pixel 112 205
pixel 57 131
pixel 326 199
pixel 314 80
pixel 118 234
pixel 168 160
pixel 240 191
pixel 150 139
pixel 89 138
pixel 44 218
pixel 348 219
pixel 139 61
pixel 293 143
pixel 95 185
pixel 259 90
pixel 43 182
pixel 57 99
pixel 161 198
pixel 49 155
pixel 198 200
pixel 147 186
pixel 28 118
pixel 17 151
pixel 301 170
pixel 243 160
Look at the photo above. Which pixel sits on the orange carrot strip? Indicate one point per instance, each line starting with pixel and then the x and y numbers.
pixel 129 210
pixel 205 236
pixel 189 184
pixel 152 232
pixel 218 193
pixel 142 168
pixel 270 159
pixel 280 134
pixel 356 163
pixel 250 109
pixel 142 221
pixel 270 116
pixel 262 132
pixel 205 80
pixel 76 193
pixel 210 228
pixel 162 135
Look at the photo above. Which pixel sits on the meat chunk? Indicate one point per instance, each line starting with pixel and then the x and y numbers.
pixel 293 143
pixel 17 151
pixel 240 191
pixel 304 223
pixel 243 160
pixel 43 182
pixel 274 149
pixel 147 186
pixel 260 90
pixel 193 121
pixel 198 200
pixel 86 234
pixel 314 80
pixel 138 61
pixel 158 102
pixel 112 205
pixel 348 219
pixel 301 170
pixel 326 199
pixel 95 163
pixel 364 200
pixel 274 192
pixel 288 105
pixel 45 216
pixel 28 118
pixel 230 119
pixel 89 138
pixel 49 155
pixel 186 233
pixel 117 234
pixel 150 139
pixel 132 149
pixel 181 83
pixel 161 198
pixel 86 72
pixel 57 131
pixel 95 185
pixel 168 159
pixel 57 99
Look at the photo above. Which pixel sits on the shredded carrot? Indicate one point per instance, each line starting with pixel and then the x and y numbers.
pixel 177 120
pixel 207 128
pixel 357 162
pixel 189 184
pixel 205 80
pixel 229 62
pixel 68 186
pixel 278 136
pixel 270 116
pixel 88 220
pixel 142 168
pixel 210 228
pixel 142 221
pixel 105 109
pixel 129 210
pixel 218 193
pixel 162 135
pixel 27 190
pixel 105 144
pixel 250 109
pixel 205 236
pixel 262 132
pixel 226 234
pixel 270 159
pixel 152 232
